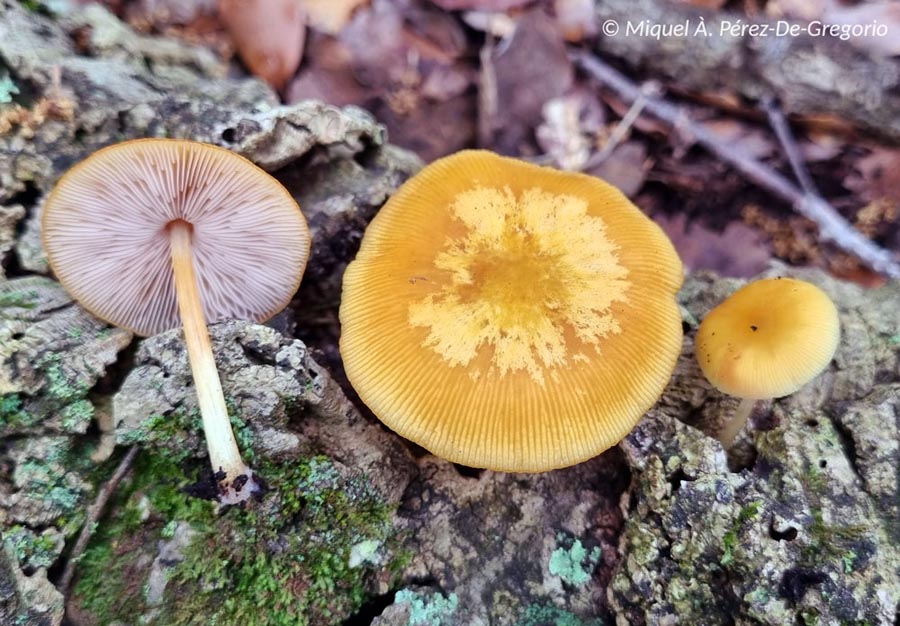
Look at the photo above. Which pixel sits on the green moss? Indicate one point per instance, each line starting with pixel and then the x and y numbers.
pixel 574 564
pixel 729 540
pixel 830 541
pixel 289 553
pixel 17 299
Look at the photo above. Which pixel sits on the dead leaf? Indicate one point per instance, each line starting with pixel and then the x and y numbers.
pixel 626 168
pixel 794 239
pixel 480 5
pixel 497 24
pixel 875 176
pixel 330 16
pixel 703 4
pixel 886 15
pixel 576 18
pixel 531 68
pixel 820 146
pixel 569 129
pixel 738 251
pixel 742 138
pixel 160 14
pixel 807 10
pixel 404 63
pixel 327 74
pixel 268 35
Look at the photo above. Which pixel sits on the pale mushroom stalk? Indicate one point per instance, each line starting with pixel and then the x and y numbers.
pixel 223 451
pixel 151 235
pixel 737 422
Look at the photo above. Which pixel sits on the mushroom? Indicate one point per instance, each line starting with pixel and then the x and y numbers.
pixel 766 340
pixel 509 316
pixel 152 234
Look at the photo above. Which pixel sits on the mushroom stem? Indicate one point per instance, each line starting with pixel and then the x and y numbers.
pixel 223 451
pixel 734 426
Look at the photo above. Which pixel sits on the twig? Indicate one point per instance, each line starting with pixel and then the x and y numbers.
pixel 94 512
pixel 832 226
pixel 487 93
pixel 782 129
pixel 621 130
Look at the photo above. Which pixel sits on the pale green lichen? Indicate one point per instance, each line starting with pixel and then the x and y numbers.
pixel 13 415
pixel 77 416
pixel 365 551
pixel 548 615
pixel 58 386
pixel 575 564
pixel 428 610
pixel 8 89
pixel 33 550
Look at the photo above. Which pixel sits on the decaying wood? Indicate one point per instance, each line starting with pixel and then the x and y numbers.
pixel 832 226
pixel 808 75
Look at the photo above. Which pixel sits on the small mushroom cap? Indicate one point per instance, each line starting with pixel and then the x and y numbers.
pixel 510 316
pixel 105 230
pixel 768 339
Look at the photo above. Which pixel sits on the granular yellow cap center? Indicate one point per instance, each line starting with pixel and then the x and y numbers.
pixel 530 283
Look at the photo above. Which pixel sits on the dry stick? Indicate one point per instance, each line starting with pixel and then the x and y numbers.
pixel 782 129
pixel 487 93
pixel 832 226
pixel 620 132
pixel 94 512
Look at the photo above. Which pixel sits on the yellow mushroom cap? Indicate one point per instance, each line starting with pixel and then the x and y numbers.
pixel 510 316
pixel 768 339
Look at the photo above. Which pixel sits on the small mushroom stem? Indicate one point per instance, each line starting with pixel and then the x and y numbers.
pixel 734 426
pixel 223 451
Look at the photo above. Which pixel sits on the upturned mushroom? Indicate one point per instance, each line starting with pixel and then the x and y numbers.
pixel 767 340
pixel 153 234
pixel 509 316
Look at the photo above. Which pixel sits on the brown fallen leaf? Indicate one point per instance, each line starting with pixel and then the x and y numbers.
pixel 737 251
pixel 703 4
pixel 404 63
pixel 885 15
pixel 798 9
pixel 532 67
pixel 575 18
pixel 742 137
pixel 480 5
pixel 626 168
pixel 330 16
pixel 268 35
pixel 875 176
pixel 820 146
pixel 327 74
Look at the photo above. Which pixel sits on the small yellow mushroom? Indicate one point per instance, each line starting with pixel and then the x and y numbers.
pixel 767 340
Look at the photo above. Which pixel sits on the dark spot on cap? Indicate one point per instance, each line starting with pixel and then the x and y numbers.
pixel 754 328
